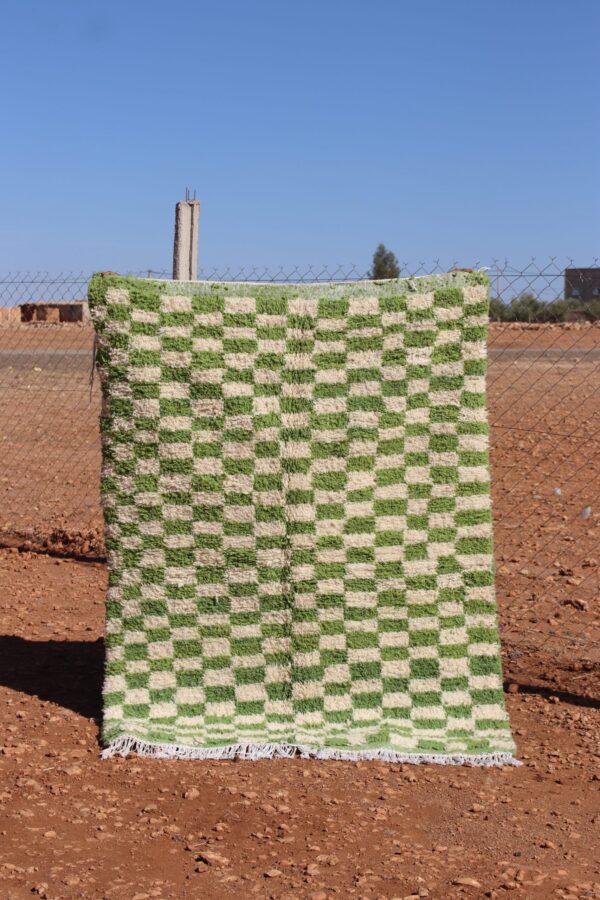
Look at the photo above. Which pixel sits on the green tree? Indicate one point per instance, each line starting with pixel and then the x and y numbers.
pixel 385 265
pixel 529 308
pixel 499 311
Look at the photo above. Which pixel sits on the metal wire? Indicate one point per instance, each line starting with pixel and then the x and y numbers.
pixel 548 402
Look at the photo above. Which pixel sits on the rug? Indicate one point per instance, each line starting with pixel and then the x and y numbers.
pixel 296 494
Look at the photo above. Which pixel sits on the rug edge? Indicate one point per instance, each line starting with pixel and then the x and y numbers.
pixel 125 744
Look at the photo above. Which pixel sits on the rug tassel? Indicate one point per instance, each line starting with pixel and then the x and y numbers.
pixel 125 744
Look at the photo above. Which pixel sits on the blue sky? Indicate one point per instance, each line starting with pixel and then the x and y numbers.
pixel 311 130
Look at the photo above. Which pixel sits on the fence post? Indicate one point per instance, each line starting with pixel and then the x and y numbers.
pixel 185 246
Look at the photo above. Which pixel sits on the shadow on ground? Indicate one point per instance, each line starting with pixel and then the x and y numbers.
pixel 68 673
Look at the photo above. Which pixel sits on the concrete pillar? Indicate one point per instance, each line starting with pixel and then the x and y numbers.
pixel 185 248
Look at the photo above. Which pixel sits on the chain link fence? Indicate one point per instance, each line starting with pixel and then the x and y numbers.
pixel 544 413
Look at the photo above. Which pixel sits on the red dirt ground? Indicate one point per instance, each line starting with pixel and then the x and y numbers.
pixel 72 826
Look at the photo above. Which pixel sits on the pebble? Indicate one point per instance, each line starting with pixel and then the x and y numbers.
pixel 212 859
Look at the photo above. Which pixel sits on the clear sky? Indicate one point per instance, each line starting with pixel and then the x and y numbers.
pixel 312 130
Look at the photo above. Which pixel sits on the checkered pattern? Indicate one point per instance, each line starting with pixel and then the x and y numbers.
pixel 297 500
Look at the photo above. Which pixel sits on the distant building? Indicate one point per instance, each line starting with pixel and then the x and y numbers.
pixel 10 315
pixel 55 312
pixel 582 284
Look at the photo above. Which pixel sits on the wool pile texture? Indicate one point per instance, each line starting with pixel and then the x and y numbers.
pixel 297 503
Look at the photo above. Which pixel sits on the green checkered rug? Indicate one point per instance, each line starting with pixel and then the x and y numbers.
pixel 296 493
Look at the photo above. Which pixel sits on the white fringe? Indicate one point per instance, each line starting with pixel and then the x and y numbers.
pixel 125 744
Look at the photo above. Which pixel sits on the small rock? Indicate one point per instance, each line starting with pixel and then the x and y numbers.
pixel 40 890
pixel 273 873
pixel 465 881
pixel 192 794
pixel 581 605
pixel 212 859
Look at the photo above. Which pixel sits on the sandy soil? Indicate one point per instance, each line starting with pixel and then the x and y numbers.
pixel 73 826
pixel 545 432
pixel 49 435
pixel 579 336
